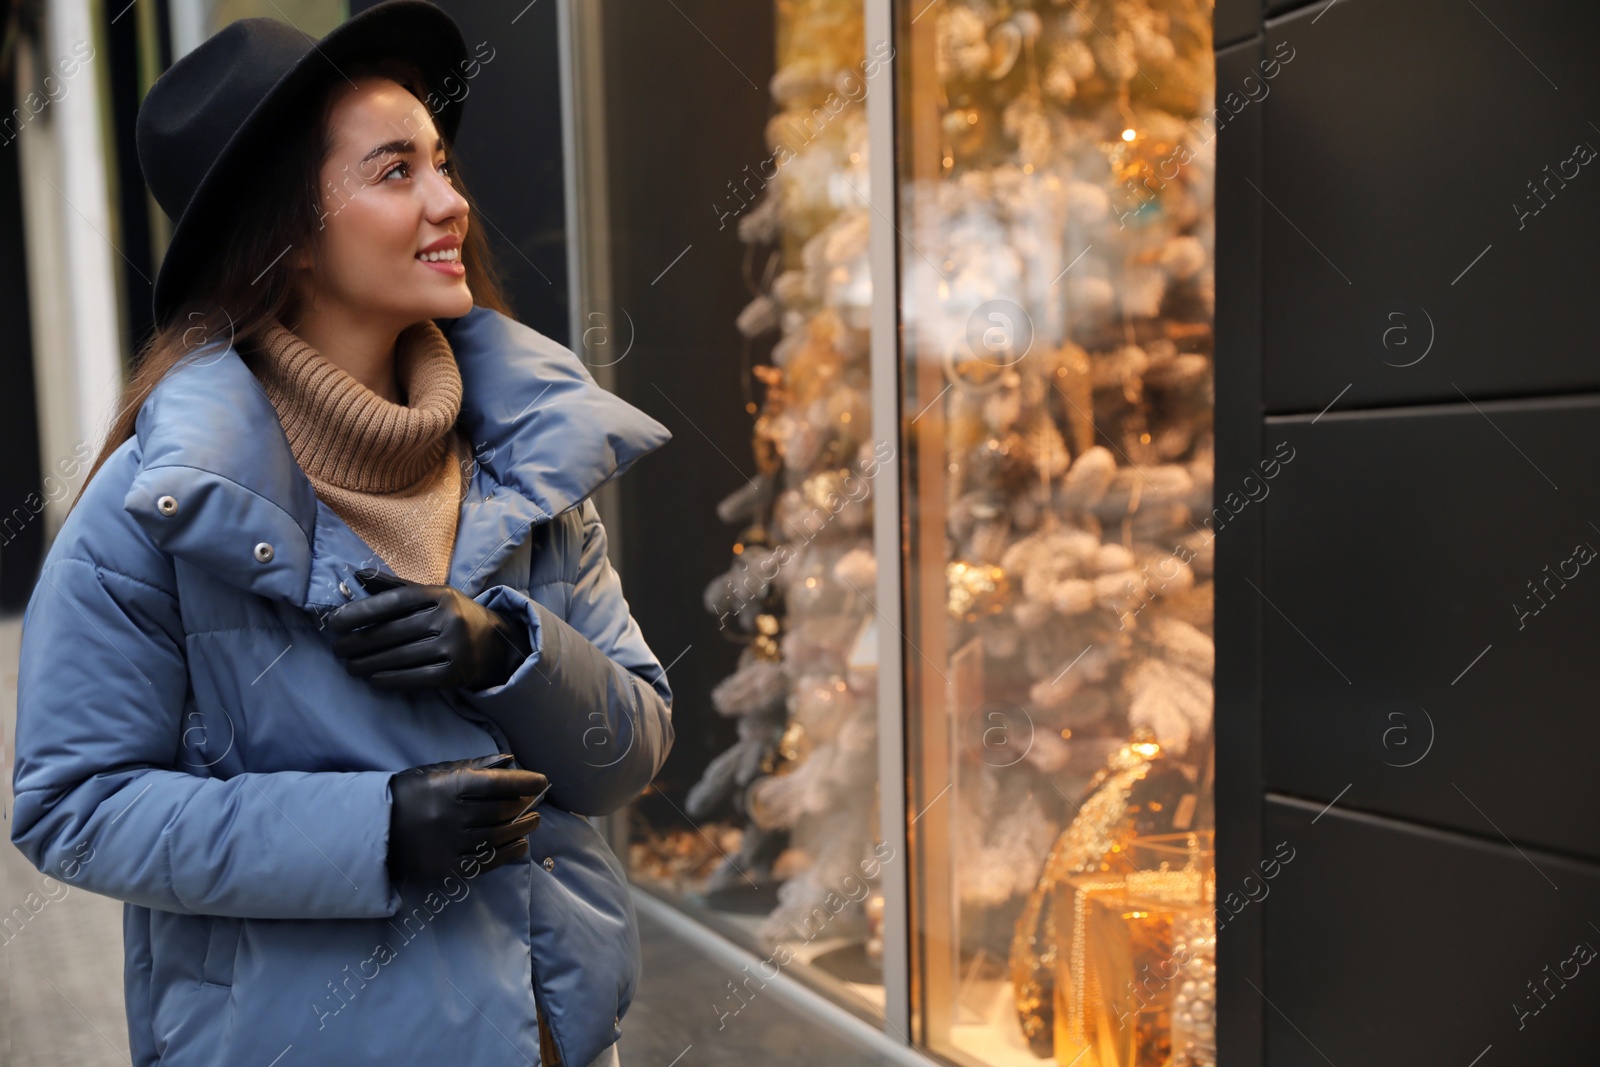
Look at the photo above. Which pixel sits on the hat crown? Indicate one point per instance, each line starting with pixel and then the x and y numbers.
pixel 197 105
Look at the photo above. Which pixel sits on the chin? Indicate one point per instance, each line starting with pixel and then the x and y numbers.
pixel 452 306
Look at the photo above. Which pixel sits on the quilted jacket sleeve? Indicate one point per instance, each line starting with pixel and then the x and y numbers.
pixel 100 800
pixel 590 708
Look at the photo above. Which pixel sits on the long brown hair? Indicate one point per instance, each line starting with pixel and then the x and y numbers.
pixel 234 298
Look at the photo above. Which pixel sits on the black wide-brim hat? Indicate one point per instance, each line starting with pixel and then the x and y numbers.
pixel 216 111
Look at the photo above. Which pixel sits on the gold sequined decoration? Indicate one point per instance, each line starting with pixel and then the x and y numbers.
pixel 976 589
pixel 766 640
pixel 794 746
pixel 1122 806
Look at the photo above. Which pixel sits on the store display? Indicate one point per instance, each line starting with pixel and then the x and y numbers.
pixel 1194 1005
pixel 803 772
pixel 1145 949
pixel 1054 288
pixel 1137 795
pixel 1056 294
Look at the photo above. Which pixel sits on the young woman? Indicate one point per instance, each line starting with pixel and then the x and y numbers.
pixel 327 665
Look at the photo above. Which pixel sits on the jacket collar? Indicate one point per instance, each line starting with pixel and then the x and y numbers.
pixel 219 485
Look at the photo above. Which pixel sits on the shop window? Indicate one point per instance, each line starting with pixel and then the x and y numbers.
pixel 754 348
pixel 1052 464
pixel 1056 300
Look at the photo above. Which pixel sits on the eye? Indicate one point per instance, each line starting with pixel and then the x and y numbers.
pixel 446 167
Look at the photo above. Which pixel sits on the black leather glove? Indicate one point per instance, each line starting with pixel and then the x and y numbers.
pixel 413 636
pixel 443 817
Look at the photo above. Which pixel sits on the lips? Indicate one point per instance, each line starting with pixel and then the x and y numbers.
pixel 445 260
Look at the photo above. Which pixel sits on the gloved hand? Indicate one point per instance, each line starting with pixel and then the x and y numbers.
pixel 443 814
pixel 413 636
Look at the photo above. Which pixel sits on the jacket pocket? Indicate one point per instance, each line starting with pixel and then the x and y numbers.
pixel 222 945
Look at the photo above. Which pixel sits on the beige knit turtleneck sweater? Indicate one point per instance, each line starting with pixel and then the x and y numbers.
pixel 395 472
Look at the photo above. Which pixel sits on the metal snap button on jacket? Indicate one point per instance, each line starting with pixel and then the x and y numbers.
pixel 167 505
pixel 263 553
pixel 344 591
pixel 549 863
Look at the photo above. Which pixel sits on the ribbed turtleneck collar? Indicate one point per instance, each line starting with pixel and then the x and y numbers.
pixel 343 433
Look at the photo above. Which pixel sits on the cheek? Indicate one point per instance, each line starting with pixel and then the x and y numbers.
pixel 370 246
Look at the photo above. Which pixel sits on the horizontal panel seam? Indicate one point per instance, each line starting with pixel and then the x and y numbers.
pixel 1532 401
pixel 1463 837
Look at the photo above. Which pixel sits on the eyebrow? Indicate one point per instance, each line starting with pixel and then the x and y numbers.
pixel 402 147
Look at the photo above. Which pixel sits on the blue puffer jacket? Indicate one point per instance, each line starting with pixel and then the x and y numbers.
pixel 187 741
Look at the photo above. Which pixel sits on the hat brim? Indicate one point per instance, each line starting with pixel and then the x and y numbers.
pixel 414 30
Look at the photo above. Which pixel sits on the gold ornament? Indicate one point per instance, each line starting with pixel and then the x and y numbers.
pixel 976 589
pixel 1135 795
pixel 1130 956
pixel 819 489
pixel 794 746
pixel 1073 378
pixel 766 641
pixel 1047 450
pixel 769 459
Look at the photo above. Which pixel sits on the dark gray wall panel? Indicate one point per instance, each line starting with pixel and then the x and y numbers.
pixel 1397 544
pixel 1234 20
pixel 1238 612
pixel 1398 139
pixel 1275 8
pixel 1394 947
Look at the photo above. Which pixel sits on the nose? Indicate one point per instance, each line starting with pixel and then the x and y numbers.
pixel 444 200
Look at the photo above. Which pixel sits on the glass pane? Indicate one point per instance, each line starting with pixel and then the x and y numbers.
pixel 751 534
pixel 192 21
pixel 1055 166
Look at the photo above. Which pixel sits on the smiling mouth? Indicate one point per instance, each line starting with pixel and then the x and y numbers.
pixel 448 255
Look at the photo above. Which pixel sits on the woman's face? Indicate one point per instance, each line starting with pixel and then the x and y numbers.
pixel 387 195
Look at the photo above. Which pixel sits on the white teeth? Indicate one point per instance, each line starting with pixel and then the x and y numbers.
pixel 451 254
